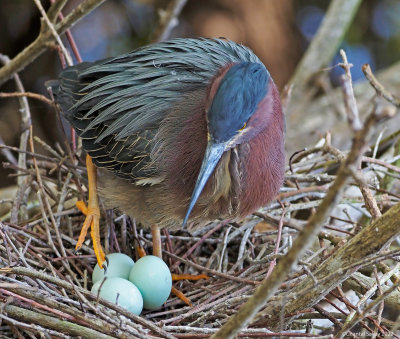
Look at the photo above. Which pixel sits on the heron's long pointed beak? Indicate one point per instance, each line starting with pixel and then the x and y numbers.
pixel 211 157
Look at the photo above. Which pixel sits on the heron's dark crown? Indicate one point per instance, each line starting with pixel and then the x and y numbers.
pixel 240 91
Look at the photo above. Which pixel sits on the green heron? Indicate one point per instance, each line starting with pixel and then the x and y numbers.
pixel 184 132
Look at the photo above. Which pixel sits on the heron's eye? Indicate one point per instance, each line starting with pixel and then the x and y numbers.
pixel 244 126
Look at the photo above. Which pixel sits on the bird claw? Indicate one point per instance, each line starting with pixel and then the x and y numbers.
pixel 178 293
pixel 181 296
pixel 93 221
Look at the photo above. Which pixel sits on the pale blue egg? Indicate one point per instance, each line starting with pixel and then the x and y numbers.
pixel 152 277
pixel 96 286
pixel 119 265
pixel 121 292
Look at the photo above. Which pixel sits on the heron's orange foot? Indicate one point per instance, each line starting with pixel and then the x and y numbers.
pixel 140 251
pixel 92 220
pixel 181 296
pixel 178 293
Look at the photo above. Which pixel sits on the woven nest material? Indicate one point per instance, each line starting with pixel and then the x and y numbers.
pixel 44 284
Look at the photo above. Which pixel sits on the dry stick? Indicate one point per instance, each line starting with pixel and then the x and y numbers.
pixel 370 306
pixel 247 312
pixel 7 153
pixel 353 118
pixel 58 324
pixel 321 50
pixel 44 40
pixel 339 266
pixel 349 323
pixel 349 100
pixel 53 32
pixel 55 8
pixel 28 95
pixel 341 297
pixel 68 286
pixel 168 19
pixel 25 125
pixel 277 242
pixel 380 90
pixel 198 243
pixel 381 163
pixel 42 301
pixel 204 332
pixel 30 328
pixel 211 271
pixel 361 284
pixel 65 263
pixel 75 50
pixel 37 155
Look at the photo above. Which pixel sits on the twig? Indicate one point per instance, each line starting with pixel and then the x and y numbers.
pixel 28 95
pixel 53 31
pixel 356 125
pixel 341 264
pixel 26 123
pixel 43 41
pixel 313 226
pixel 168 19
pixel 357 318
pixel 350 101
pixel 69 286
pixel 7 154
pixel 380 90
pixel 54 323
pixel 321 50
pixel 367 295
pixel 277 242
pixel 381 163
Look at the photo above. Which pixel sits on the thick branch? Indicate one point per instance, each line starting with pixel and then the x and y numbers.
pixel 369 241
pixel 53 323
pixel 321 50
pixel 302 242
pixel 321 115
pixel 361 283
pixel 44 40
pixel 168 19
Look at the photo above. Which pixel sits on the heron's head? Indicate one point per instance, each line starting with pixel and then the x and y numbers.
pixel 233 99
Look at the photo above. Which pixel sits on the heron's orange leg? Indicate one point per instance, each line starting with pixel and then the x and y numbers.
pixel 92 212
pixel 157 251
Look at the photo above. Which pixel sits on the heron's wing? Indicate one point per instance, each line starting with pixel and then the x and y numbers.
pixel 117 104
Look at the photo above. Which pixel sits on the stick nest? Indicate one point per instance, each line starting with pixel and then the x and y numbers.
pixel 345 283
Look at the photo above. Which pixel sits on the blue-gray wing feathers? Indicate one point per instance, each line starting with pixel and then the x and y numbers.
pixel 117 104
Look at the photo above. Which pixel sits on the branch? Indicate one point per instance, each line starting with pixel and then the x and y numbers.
pixel 53 32
pixel 46 321
pixel 73 288
pixel 321 115
pixel 380 90
pixel 269 286
pixel 369 241
pixel 26 95
pixel 321 50
pixel 246 313
pixel 168 19
pixel 45 39
pixel 55 8
pixel 361 284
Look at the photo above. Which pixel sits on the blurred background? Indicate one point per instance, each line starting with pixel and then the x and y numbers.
pixel 277 31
